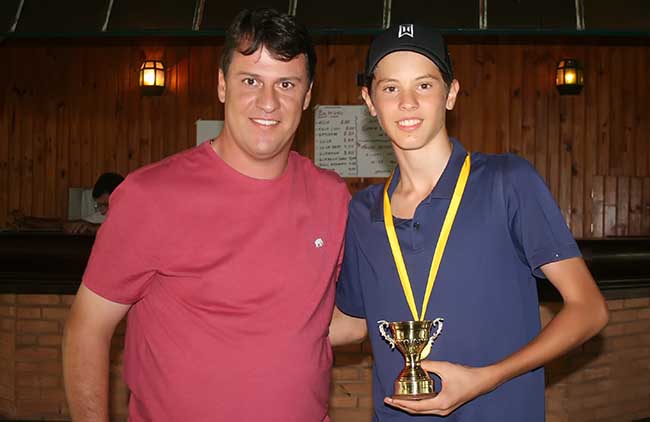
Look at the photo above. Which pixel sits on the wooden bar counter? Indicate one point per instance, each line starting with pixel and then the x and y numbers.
pixel 606 379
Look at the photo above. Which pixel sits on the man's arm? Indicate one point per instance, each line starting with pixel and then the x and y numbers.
pixel 583 314
pixel 86 347
pixel 345 329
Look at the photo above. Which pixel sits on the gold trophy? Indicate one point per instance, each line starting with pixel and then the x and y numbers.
pixel 412 338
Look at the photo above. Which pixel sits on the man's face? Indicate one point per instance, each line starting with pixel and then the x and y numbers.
pixel 410 99
pixel 101 203
pixel 263 100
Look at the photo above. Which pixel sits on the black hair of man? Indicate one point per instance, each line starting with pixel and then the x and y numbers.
pixel 279 33
pixel 106 183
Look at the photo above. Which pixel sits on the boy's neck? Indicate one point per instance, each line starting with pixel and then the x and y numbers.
pixel 421 169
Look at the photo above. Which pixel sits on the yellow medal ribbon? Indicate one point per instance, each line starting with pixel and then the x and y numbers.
pixel 440 246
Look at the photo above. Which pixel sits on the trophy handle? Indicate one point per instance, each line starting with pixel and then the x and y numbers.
pixel 438 324
pixel 382 330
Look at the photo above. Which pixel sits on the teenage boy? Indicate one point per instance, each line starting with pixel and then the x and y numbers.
pixel 501 230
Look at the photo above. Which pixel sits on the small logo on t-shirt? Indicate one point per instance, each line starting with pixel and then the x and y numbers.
pixel 319 243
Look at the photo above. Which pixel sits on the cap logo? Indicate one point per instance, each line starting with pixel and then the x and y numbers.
pixel 405 30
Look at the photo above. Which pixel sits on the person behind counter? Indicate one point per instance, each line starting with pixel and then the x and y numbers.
pixel 88 225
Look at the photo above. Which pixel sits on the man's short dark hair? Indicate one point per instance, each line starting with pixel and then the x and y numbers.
pixel 106 183
pixel 279 33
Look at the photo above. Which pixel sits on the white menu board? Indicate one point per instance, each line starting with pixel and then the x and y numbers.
pixel 351 142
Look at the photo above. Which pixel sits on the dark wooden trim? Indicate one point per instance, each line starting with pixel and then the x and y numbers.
pixel 53 263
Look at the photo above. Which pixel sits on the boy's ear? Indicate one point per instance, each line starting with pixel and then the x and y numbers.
pixel 454 87
pixel 366 97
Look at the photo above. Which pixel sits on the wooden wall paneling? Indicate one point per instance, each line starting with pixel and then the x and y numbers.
pixel 622 205
pixel 503 94
pixel 90 113
pixel 77 92
pixel 566 144
pixel 476 141
pixel 101 62
pixel 645 206
pixel 603 109
pixel 182 97
pixel 636 201
pixel 59 135
pixel 590 93
pixel 113 110
pixel 576 172
pixel 491 144
pixel 541 104
pixel 122 94
pixel 63 129
pixel 617 166
pixel 5 119
pixel 155 127
pixel 145 115
pixel 554 122
pixel 567 140
pixel 641 132
pixel 528 116
pixel 64 109
pixel 628 85
pixel 47 188
pixel 168 118
pixel 597 206
pixel 39 110
pixel 134 117
pixel 29 107
pixel 462 111
pixel 196 91
pixel 609 223
pixel 516 99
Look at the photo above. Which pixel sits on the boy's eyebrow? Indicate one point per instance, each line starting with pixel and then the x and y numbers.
pixel 425 76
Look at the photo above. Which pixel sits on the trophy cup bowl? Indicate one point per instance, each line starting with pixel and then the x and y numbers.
pixel 411 338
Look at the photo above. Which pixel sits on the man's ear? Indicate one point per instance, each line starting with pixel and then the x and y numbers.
pixel 453 93
pixel 221 87
pixel 366 97
pixel 307 99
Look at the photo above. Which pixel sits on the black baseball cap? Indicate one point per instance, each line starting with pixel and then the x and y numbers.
pixel 410 37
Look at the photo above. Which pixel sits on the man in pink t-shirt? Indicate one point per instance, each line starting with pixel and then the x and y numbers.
pixel 224 256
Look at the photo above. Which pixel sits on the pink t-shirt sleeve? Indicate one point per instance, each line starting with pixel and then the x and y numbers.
pixel 125 256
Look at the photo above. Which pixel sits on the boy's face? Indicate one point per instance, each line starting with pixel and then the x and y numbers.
pixel 410 99
pixel 264 99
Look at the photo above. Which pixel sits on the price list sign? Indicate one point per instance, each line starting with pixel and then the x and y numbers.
pixel 351 142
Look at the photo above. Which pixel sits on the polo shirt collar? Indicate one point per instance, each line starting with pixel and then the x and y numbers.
pixel 444 189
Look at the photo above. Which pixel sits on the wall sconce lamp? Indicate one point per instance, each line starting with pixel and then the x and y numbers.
pixel 152 77
pixel 569 77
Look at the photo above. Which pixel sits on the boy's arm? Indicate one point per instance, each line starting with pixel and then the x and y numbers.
pixel 346 329
pixel 584 313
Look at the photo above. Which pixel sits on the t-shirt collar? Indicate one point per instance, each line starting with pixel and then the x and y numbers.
pixel 444 189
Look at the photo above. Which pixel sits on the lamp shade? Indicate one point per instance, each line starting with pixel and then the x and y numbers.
pixel 569 77
pixel 152 77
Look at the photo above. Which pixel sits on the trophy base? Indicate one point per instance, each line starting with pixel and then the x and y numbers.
pixel 414 397
pixel 414 389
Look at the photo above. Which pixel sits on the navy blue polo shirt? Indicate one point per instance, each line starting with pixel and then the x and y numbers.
pixel 507 226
